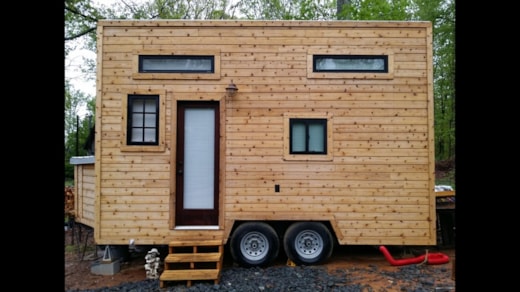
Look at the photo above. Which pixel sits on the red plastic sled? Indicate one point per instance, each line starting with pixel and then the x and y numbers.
pixel 430 258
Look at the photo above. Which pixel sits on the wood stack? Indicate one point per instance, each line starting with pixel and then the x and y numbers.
pixel 69 201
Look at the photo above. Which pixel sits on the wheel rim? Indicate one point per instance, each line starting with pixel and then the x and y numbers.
pixel 308 244
pixel 254 246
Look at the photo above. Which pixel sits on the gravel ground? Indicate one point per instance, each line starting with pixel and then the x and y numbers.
pixel 369 273
pixel 409 278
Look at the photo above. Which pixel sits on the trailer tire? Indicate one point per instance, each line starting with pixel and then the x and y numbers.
pixel 308 243
pixel 254 244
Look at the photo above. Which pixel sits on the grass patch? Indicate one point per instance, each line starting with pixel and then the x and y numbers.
pixel 70 248
pixel 74 247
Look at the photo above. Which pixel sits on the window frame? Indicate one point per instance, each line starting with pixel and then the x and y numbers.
pixel 211 58
pixel 367 52
pixel 307 123
pixel 133 100
pixel 308 156
pixel 158 145
pixel 316 57
pixel 136 75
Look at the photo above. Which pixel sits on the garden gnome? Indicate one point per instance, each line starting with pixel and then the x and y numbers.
pixel 152 264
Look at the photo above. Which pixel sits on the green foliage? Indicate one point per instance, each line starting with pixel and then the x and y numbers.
pixel 377 10
pixel 441 13
pixel 77 127
pixel 75 143
pixel 447 179
pixel 81 18
pixel 287 9
pixel 69 181
pixel 443 19
pixel 70 248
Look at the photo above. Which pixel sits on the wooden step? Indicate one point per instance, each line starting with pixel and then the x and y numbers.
pixel 195 243
pixel 192 260
pixel 181 275
pixel 193 257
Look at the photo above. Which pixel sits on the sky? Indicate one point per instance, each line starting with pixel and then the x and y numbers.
pixel 72 62
pixel 78 80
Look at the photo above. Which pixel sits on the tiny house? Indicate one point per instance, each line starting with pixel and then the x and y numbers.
pixel 266 136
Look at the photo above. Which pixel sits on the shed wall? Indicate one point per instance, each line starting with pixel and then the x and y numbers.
pixel 84 194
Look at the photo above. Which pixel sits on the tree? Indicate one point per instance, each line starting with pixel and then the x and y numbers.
pixel 81 17
pixel 287 9
pixel 80 20
pixel 376 10
pixel 442 15
pixel 77 127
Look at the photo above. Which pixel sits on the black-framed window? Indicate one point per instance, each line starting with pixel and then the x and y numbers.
pixel 143 120
pixel 308 136
pixel 350 63
pixel 176 64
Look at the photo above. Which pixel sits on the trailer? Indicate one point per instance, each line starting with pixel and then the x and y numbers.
pixel 267 137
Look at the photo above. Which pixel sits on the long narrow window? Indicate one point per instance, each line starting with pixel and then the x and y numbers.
pixel 350 63
pixel 143 120
pixel 176 64
pixel 308 136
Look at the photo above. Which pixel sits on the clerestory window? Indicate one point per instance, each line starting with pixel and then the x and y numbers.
pixel 176 64
pixel 350 63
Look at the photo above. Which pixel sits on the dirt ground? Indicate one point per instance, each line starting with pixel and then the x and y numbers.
pixel 81 253
pixel 79 258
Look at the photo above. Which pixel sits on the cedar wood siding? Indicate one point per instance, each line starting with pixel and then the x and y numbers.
pixel 376 186
pixel 84 193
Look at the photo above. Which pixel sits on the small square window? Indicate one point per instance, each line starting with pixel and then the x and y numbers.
pixel 176 64
pixel 308 136
pixel 143 120
pixel 350 63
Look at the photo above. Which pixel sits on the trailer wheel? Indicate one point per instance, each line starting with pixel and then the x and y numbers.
pixel 308 243
pixel 254 244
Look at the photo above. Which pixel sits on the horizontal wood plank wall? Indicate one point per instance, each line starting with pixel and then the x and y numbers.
pixel 84 194
pixel 378 186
